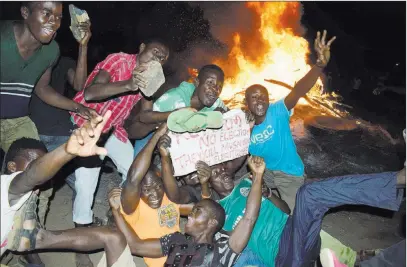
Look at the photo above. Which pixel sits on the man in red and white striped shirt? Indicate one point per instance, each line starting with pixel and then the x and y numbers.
pixel 113 85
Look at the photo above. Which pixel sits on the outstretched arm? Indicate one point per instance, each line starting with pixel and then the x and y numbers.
pixel 241 234
pixel 307 82
pixel 48 94
pixel 146 248
pixel 138 169
pixel 175 193
pixel 81 143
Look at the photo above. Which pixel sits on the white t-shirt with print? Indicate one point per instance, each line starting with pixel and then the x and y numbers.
pixel 7 212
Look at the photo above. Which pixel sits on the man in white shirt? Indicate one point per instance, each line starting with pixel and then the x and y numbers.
pixel 29 165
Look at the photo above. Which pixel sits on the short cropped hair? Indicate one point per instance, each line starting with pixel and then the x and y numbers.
pixel 217 212
pixel 19 146
pixel 211 67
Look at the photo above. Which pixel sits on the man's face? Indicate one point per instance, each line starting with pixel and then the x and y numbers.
pixel 257 100
pixel 21 162
pixel 209 87
pixel 43 20
pixel 153 51
pixel 152 191
pixel 221 181
pixel 198 219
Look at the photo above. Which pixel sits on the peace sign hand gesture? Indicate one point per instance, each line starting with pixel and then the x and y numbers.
pixel 323 49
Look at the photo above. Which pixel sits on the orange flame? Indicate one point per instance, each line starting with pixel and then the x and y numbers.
pixel 282 57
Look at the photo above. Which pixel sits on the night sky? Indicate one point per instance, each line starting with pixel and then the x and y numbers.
pixel 371 35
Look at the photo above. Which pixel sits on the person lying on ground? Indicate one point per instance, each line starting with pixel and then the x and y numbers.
pixel 283 240
pixel 29 167
pixel 202 95
pixel 207 182
pixel 271 136
pixel 113 85
pixel 146 210
pixel 201 245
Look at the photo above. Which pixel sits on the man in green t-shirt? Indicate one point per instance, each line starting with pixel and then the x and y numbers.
pixel 28 53
pixel 202 94
pixel 282 240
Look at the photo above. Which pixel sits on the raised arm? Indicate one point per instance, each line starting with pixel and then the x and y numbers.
pixel 241 234
pixel 176 194
pixel 78 78
pixel 307 82
pixel 81 143
pixel 146 248
pixel 101 88
pixel 47 94
pixel 131 190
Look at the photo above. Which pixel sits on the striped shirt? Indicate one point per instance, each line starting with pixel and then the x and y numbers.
pixel 18 76
pixel 120 67
pixel 181 251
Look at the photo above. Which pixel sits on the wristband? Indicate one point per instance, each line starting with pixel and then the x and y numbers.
pixel 210 194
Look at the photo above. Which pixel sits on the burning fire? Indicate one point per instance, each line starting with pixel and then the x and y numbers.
pixel 283 59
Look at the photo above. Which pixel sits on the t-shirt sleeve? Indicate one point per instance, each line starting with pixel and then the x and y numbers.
pixel 54 54
pixel 131 219
pixel 171 100
pixel 227 256
pixel 279 108
pixel 5 185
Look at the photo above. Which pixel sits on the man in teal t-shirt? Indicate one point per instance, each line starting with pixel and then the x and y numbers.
pixel 265 238
pixel 202 95
pixel 271 136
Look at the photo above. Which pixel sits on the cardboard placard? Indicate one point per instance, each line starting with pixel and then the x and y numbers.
pixel 211 146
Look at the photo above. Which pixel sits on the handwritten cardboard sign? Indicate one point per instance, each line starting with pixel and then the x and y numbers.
pixel 211 146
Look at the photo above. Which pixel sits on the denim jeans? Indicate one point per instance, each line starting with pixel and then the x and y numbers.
pixel 300 240
pixel 394 256
pixel 121 153
pixel 249 258
pixel 140 144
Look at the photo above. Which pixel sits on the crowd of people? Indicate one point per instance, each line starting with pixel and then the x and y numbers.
pixel 270 217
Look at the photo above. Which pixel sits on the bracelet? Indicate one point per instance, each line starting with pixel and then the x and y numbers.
pixel 76 110
pixel 210 194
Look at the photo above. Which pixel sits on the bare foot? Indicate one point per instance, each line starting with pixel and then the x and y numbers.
pixel 83 260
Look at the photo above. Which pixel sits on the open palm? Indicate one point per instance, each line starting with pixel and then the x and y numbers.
pixel 83 140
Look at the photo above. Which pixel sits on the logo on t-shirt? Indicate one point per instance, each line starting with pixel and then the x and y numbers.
pixel 244 191
pixel 168 216
pixel 263 136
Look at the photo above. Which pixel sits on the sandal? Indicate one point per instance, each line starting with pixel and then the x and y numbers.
pixel 27 213
pixel 186 120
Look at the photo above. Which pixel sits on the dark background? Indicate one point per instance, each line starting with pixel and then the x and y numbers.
pixel 371 40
